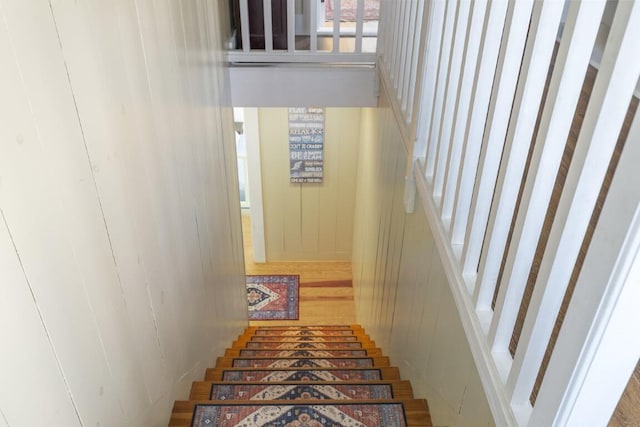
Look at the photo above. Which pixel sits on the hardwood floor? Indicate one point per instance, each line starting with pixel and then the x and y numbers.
pixel 326 293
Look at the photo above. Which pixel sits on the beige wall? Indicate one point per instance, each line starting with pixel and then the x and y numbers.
pixel 121 272
pixel 309 221
pixel 402 296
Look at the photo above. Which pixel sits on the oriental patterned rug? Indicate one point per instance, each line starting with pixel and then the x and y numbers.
pixel 340 375
pixel 302 345
pixel 302 353
pixel 338 362
pixel 300 391
pixel 317 415
pixel 303 333
pixel 273 297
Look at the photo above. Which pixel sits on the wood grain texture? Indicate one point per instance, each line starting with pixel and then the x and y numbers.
pixel 326 294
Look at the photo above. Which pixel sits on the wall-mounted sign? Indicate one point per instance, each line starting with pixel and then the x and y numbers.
pixel 306 144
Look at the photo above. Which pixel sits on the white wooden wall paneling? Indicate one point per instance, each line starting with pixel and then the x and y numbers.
pixel 62 264
pixel 608 104
pixel 472 46
pixel 444 63
pixel 428 77
pixel 540 44
pixel 564 89
pixel 504 86
pixel 451 97
pixel 490 46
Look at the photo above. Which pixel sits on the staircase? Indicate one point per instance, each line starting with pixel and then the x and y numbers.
pixel 302 376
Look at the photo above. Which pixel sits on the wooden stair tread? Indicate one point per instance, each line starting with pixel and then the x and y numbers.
pixel 201 390
pixel 416 410
pixel 228 362
pixel 236 352
pixel 387 373
pixel 269 346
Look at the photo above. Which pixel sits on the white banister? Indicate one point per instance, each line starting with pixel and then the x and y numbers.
pixel 544 27
pixel 291 25
pixel 474 35
pixel 359 25
pixel 244 18
pixel 268 30
pixel 572 60
pixel 336 25
pixel 607 319
pixel 614 86
pixel 490 46
pixel 441 85
pixel 481 72
pixel 504 85
pixel 451 97
pixel 411 55
pixel 429 75
pixel 313 25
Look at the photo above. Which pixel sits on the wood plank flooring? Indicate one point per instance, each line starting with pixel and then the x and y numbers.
pixel 326 293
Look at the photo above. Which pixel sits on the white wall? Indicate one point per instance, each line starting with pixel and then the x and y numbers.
pixel 309 221
pixel 121 273
pixel 402 297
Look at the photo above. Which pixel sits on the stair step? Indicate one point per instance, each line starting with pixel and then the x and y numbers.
pixel 302 353
pixel 302 374
pixel 307 327
pixel 301 362
pixel 302 345
pixel 264 379
pixel 416 412
pixel 202 390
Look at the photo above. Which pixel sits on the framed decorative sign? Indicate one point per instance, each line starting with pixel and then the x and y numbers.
pixel 306 144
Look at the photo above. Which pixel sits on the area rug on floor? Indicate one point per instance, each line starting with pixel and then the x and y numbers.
pixel 273 297
pixel 349 9
pixel 300 391
pixel 343 415
pixel 340 375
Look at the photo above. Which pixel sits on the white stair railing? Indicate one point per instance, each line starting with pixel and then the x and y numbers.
pixel 353 44
pixel 466 81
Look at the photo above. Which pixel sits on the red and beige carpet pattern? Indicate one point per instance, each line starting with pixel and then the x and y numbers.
pixel 307 375
pixel 273 297
pixel 258 384
pixel 300 415
pixel 300 391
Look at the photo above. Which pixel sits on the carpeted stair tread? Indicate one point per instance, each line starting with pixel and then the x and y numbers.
pixel 201 390
pixel 256 345
pixel 416 411
pixel 307 327
pixel 345 352
pixel 326 374
pixel 279 362
pixel 385 373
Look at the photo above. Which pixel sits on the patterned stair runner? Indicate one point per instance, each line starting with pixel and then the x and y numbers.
pixel 308 376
